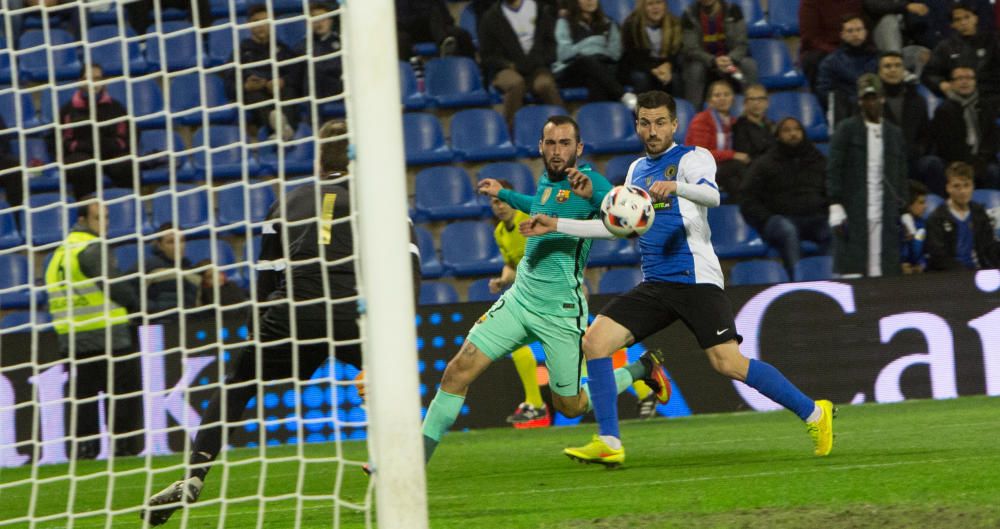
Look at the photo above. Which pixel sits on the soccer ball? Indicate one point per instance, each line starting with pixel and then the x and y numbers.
pixel 627 211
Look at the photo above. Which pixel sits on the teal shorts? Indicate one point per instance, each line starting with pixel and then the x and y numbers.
pixel 508 325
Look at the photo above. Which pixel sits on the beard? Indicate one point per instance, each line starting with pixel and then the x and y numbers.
pixel 560 175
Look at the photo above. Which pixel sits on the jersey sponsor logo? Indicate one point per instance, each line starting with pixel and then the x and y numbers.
pixel 562 196
pixel 545 195
pixel 569 305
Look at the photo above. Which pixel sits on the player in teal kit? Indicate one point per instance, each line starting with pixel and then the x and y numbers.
pixel 546 302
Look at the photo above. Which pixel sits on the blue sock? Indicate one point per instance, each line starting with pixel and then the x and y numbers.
pixel 604 395
pixel 766 379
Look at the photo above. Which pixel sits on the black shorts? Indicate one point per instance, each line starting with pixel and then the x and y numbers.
pixel 654 305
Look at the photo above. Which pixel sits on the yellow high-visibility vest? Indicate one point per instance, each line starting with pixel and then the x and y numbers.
pixel 86 309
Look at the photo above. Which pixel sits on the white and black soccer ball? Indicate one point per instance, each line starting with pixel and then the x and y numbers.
pixel 627 211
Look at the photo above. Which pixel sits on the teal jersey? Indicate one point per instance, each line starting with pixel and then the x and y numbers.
pixel 550 275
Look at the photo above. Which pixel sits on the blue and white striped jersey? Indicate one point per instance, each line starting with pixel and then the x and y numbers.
pixel 678 247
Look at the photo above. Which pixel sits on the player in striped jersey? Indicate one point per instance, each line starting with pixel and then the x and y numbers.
pixel 682 280
pixel 546 302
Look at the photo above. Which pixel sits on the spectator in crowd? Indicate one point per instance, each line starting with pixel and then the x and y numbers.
pixel 840 70
pixel 169 287
pixel 866 184
pixel 256 76
pixel 326 73
pixel 651 40
pixel 937 23
pixel 784 196
pixel 819 28
pixel 904 106
pixel 93 330
pixel 430 21
pixel 714 33
pixel 480 7
pixel 911 252
pixel 712 129
pixel 753 132
pixel 141 14
pixel 588 47
pixel 517 43
pixel 959 232
pixel 966 47
pixel 106 150
pixel 11 177
pixel 965 128
pixel 895 20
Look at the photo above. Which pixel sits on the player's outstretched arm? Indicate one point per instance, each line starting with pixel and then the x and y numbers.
pixel 586 229
pixel 492 188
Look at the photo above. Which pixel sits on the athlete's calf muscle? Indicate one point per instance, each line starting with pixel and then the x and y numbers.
pixel 464 368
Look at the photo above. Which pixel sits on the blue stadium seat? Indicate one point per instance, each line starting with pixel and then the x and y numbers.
pixel 22 321
pixel 180 46
pixel 436 293
pixel 147 101
pixel 5 69
pixel 479 291
pixel 13 274
pixel 227 163
pixel 197 250
pixel 108 53
pixel 805 108
pixel 127 257
pixel 613 252
pixel 227 8
pixel 618 280
pixel 757 23
pixel 528 122
pixel 989 198
pixel 287 6
pixel 424 140
pixel 618 10
pixel 933 202
pixel 36 155
pixel 814 268
pixel 430 264
pixel 50 219
pixel 677 7
pixel 290 32
pixel 299 157
pixel 685 113
pixel 123 208
pixel 455 82
pixel 784 16
pixel 156 170
pixel 219 40
pixel 413 98
pixel 445 192
pixel 774 65
pixel 8 110
pixel 617 168
pixel 757 272
pixel 732 237
pixel 48 107
pixel 467 21
pixel 479 134
pixel 518 174
pixel 468 249
pixel 10 235
pixel 232 201
pixel 608 127
pixel 34 65
pixel 191 202
pixel 186 99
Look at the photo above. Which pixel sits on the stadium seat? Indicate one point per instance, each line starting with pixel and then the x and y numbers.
pixel 34 65
pixel 677 7
pixel 618 280
pixel 50 219
pixel 757 272
pixel 784 16
pixel 814 268
pixel 774 65
pixel 186 102
pixel 468 249
pixel 617 168
pixel 156 170
pixel 618 10
pixel 413 98
pixel 518 174
pixel 127 257
pixel 430 264
pixel 299 155
pixel 805 108
pixel 613 252
pixel 108 52
pixel 445 192
pixel 732 237
pixel 685 113
pixel 455 82
pixel 467 21
pixel 36 155
pixel 290 32
pixel 757 24
pixel 479 291
pixel 933 202
pixel 227 163
pixel 227 8
pixel 286 6
pixel 180 46
pixel 610 128
pixel 10 236
pixel 22 321
pixel 479 134
pixel 197 250
pixel 123 208
pixel 191 202
pixel 437 293
pixel 147 101
pixel 233 201
pixel 988 198
pixel 8 110
pixel 5 69
pixel 424 140
pixel 219 40
pixel 528 123
pixel 14 274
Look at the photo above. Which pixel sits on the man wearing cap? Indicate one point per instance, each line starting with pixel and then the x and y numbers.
pixel 866 183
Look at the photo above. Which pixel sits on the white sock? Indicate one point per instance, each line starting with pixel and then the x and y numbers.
pixel 613 442
pixel 815 415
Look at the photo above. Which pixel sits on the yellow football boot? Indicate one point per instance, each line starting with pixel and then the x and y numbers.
pixel 597 451
pixel 821 430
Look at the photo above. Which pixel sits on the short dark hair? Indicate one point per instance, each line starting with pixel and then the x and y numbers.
pixel 559 120
pixel 964 66
pixel 255 9
pixel 333 153
pixel 960 170
pixel 889 53
pixel 657 99
pixel 853 16
pixel 917 190
pixel 166 226
pixel 320 5
pixel 960 6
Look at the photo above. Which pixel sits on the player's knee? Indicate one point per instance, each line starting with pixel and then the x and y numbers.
pixel 570 407
pixel 594 347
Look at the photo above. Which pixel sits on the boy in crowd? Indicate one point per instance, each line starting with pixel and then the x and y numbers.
pixel 959 232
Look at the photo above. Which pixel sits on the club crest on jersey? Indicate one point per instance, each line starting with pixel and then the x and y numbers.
pixel 562 196
pixel 545 195
pixel 670 173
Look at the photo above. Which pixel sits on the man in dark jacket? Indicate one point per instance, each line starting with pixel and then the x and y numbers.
pixel 519 60
pixel 79 143
pixel 327 71
pixel 969 47
pixel 430 21
pixel 904 107
pixel 959 232
pixel 819 27
pixel 840 70
pixel 965 128
pixel 716 46
pixel 163 265
pixel 753 132
pixel 867 192
pixel 785 195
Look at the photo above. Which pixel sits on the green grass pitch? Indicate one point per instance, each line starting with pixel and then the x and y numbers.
pixel 925 464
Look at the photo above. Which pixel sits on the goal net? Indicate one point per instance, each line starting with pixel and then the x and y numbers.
pixel 143 144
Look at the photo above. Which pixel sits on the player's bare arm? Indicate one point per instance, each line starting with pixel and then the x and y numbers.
pixel 580 183
pixel 661 191
pixel 489 187
pixel 539 224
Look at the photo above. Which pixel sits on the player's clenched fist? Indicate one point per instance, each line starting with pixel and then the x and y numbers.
pixel 661 191
pixel 490 187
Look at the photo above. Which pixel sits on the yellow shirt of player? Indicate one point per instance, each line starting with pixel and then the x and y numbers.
pixel 511 242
